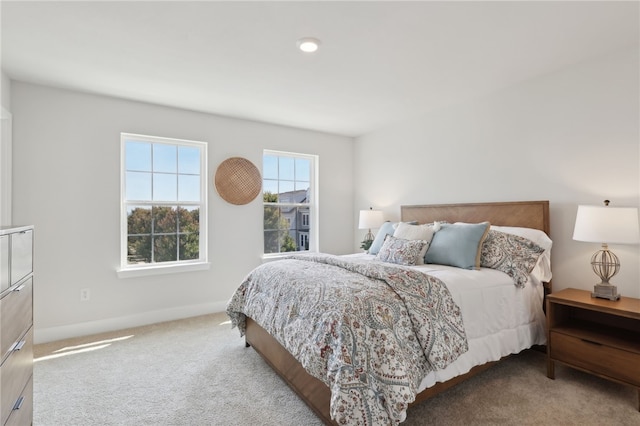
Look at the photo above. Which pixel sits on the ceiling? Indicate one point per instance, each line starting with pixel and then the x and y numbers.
pixel 379 62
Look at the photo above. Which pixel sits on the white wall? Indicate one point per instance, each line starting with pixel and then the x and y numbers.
pixel 5 91
pixel 66 182
pixel 5 150
pixel 571 137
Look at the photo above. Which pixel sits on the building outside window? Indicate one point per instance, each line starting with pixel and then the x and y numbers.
pixel 290 202
pixel 163 196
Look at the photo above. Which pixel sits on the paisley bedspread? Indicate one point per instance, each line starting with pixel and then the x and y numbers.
pixel 369 330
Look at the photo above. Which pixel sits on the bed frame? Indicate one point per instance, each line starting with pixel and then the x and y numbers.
pixel 530 214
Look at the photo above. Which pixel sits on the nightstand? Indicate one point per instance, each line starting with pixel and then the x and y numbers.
pixel 599 336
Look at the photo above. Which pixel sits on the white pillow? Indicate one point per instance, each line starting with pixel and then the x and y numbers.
pixel 425 233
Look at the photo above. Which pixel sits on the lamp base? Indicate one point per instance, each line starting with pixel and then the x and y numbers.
pixel 605 291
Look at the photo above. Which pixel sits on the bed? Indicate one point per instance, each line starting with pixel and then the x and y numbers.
pixel 463 359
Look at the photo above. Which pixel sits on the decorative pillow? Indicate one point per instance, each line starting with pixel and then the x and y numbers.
pixel 425 233
pixel 537 236
pixel 400 251
pixel 542 270
pixel 457 244
pixel 387 228
pixel 514 255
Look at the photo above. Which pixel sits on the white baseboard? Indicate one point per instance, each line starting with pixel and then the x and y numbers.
pixel 51 334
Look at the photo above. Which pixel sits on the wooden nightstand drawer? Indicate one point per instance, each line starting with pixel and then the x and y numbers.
pixel 596 357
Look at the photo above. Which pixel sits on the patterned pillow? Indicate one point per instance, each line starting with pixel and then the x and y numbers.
pixel 387 228
pixel 402 252
pixel 408 231
pixel 514 255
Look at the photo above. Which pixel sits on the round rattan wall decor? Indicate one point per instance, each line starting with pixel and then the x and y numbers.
pixel 238 180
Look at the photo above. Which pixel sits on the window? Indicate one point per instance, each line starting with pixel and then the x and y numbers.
pixel 304 241
pixel 163 196
pixel 290 202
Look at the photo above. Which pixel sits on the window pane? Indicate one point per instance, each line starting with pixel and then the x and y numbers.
pixel 301 228
pixel 165 158
pixel 188 160
pixel 165 220
pixel 165 187
pixel 270 187
pixel 138 250
pixel 279 229
pixel 303 169
pixel 286 168
pixel 287 242
pixel 138 156
pixel 188 220
pixel 188 188
pixel 302 185
pixel 165 248
pixel 138 186
pixel 272 218
pixel 138 220
pixel 285 186
pixel 270 167
pixel 271 242
pixel 190 246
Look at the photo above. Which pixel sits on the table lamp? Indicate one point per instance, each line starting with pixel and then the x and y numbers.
pixel 369 219
pixel 606 225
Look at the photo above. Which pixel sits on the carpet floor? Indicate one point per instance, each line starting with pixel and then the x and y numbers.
pixel 197 371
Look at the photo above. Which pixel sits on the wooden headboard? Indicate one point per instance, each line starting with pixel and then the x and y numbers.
pixel 528 214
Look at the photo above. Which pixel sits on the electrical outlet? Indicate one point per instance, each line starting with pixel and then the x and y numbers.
pixel 85 294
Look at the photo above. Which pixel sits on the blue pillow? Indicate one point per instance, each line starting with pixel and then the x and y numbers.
pixel 458 244
pixel 387 228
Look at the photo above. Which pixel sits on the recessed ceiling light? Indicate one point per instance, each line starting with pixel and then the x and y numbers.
pixel 308 44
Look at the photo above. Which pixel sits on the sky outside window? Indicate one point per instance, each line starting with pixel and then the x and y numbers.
pixel 162 172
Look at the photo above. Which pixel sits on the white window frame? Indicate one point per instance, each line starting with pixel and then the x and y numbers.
pixel 125 270
pixel 313 204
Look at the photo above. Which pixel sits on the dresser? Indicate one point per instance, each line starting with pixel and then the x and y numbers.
pixel 16 325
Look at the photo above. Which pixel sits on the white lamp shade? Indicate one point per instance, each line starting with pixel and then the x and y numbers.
pixel 370 219
pixel 609 225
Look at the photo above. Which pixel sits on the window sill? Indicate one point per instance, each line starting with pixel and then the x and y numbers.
pixel 276 256
pixel 161 270
pixel 271 257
